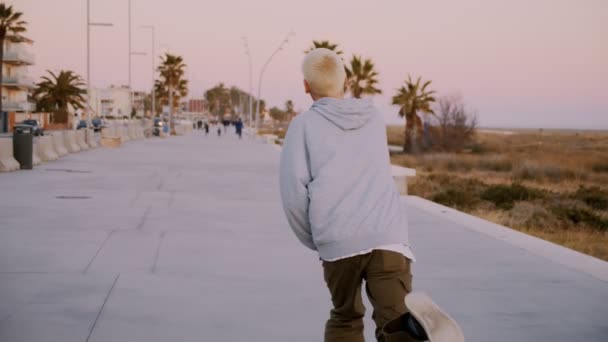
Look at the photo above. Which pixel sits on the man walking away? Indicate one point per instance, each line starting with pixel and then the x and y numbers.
pixel 341 201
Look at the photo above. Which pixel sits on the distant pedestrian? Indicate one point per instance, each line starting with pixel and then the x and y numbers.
pixel 219 130
pixel 341 201
pixel 200 124
pixel 206 129
pixel 239 128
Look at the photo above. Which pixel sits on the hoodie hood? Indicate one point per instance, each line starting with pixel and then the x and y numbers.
pixel 348 114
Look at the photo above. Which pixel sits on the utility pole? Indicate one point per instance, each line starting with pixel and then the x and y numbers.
pixel 89 24
pixel 283 43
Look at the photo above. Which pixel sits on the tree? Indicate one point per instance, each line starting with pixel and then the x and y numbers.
pixel 58 92
pixel 11 27
pixel 413 98
pixel 324 44
pixel 362 77
pixel 277 114
pixel 218 99
pixel 456 125
pixel 289 107
pixel 171 82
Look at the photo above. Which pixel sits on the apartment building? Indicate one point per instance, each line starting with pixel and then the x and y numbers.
pixel 16 84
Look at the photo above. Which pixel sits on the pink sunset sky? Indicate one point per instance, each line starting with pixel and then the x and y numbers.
pixel 518 63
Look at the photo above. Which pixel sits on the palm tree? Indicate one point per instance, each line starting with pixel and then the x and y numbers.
pixel 162 93
pixel 172 83
pixel 289 107
pixel 413 98
pixel 59 92
pixel 362 78
pixel 324 44
pixel 218 99
pixel 11 25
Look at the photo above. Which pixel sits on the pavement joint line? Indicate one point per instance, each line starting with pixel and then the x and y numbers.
pixel 141 223
pixel 157 254
pixel 99 250
pixel 135 198
pixel 171 199
pixel 102 307
pixel 34 272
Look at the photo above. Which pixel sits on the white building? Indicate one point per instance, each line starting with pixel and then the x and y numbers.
pixel 115 102
pixel 111 102
pixel 16 84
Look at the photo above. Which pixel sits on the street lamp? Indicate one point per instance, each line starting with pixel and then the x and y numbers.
pixel 250 81
pixel 133 53
pixel 89 24
pixel 283 43
pixel 150 27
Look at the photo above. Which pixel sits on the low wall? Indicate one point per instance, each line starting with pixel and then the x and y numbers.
pixel 46 148
pixel 59 143
pixel 7 160
pixel 81 140
pixel 70 141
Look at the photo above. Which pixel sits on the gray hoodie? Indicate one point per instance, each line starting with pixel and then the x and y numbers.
pixel 335 180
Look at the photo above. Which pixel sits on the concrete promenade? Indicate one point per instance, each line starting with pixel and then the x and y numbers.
pixel 184 239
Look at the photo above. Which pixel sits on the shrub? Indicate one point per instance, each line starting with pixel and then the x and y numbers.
pixel 536 172
pixel 495 163
pixel 478 148
pixel 578 215
pixel 455 128
pixel 594 197
pixel 455 192
pixel 504 196
pixel 600 166
pixel 455 198
pixel 532 215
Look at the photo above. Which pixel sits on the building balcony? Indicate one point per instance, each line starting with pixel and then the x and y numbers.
pixel 18 106
pixel 18 57
pixel 17 82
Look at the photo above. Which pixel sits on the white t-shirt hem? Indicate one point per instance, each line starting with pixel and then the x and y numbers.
pixel 398 248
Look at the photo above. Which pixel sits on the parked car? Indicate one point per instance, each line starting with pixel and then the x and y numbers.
pixel 81 124
pixel 98 124
pixel 36 128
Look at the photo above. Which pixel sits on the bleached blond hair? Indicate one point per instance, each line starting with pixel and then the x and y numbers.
pixel 324 72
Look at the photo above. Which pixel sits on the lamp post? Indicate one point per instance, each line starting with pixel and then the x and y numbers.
pixel 150 27
pixel 250 81
pixel 279 48
pixel 130 54
pixel 130 90
pixel 89 24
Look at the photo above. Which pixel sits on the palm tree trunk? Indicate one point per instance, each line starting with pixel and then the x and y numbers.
pixel 171 128
pixel 410 133
pixel 417 141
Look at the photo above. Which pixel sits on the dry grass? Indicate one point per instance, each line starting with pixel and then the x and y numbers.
pixel 268 130
pixel 553 185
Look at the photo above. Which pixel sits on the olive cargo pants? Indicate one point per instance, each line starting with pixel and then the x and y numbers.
pixel 387 278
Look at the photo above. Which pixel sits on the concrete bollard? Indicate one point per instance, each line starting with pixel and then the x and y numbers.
pixel 70 141
pixel 36 160
pixel 47 149
pixel 81 140
pixel 7 160
pixel 108 132
pixel 59 144
pixel 122 133
pixel 90 139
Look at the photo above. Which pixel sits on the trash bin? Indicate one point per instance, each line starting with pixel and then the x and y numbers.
pixel 23 145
